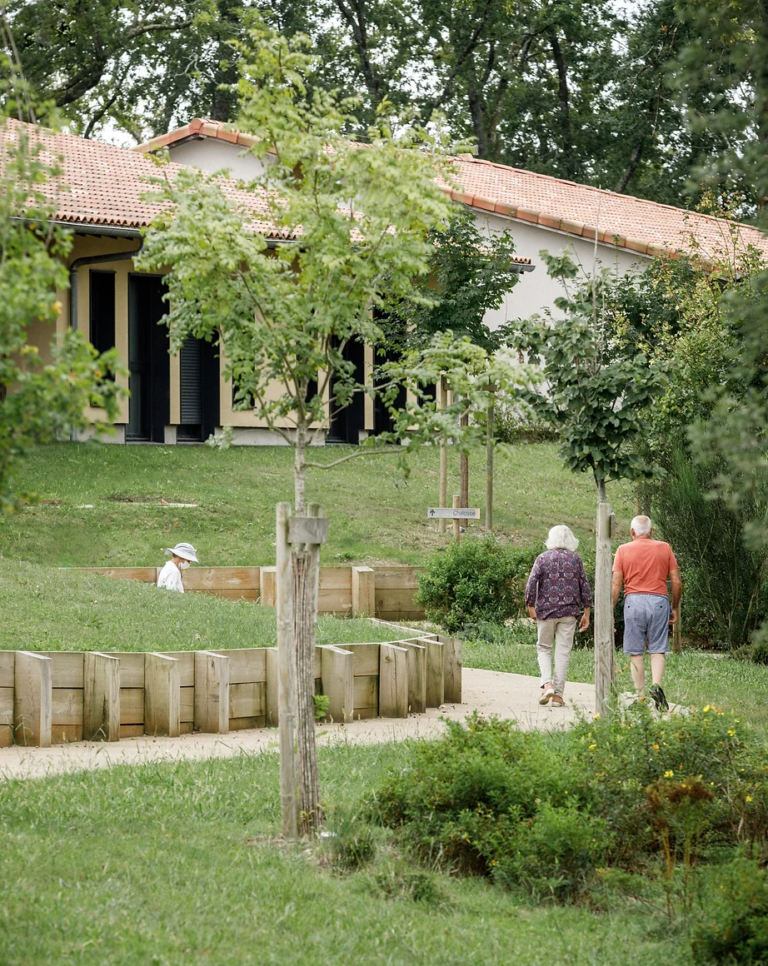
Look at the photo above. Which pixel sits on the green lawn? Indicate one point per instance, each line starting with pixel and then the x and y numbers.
pixel 376 515
pixel 176 864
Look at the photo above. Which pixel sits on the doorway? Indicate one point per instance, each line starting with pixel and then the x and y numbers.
pixel 149 379
pixel 199 378
pixel 347 423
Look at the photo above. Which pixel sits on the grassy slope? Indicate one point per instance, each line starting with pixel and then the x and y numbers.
pixel 51 610
pixel 375 516
pixel 173 864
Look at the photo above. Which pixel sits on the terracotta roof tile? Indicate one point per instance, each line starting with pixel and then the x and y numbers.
pixel 103 185
pixel 622 220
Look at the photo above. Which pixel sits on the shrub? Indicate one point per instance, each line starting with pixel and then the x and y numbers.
pixel 476 581
pixel 542 812
pixel 726 592
pixel 733 929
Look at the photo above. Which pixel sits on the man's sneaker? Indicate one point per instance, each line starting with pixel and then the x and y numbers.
pixel 547 694
pixel 659 698
pixel 557 701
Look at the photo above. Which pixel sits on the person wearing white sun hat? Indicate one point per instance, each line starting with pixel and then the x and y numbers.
pixel 181 556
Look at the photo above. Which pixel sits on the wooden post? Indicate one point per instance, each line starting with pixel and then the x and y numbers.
pixel 268 592
pixel 604 656
pixel 417 676
pixel 338 675
pixel 677 630
pixel 286 688
pixel 101 697
pixel 464 468
pixel 32 700
pixel 489 431
pixel 456 523
pixel 452 669
pixel 211 692
pixel 443 404
pixel 273 681
pixel 393 681
pixel 162 695
pixel 363 592
pixel 435 673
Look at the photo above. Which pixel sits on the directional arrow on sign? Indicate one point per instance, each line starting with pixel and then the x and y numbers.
pixel 453 513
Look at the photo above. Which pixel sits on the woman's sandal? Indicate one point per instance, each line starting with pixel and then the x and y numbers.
pixel 549 692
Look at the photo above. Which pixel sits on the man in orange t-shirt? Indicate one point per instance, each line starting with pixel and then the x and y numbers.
pixel 643 567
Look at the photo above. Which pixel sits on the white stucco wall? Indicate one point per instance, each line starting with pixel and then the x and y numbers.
pixel 213 155
pixel 534 292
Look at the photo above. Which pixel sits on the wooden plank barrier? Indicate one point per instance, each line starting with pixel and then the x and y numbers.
pixel 365 679
pixel 268 586
pixel 393 681
pixel 211 692
pixel 394 589
pixel 162 697
pixel 32 699
pixel 417 676
pixel 338 677
pixel 66 695
pixel 273 672
pixel 101 697
pixel 435 672
pixel 7 664
pixel 452 668
pixel 236 583
pixel 247 688
pixel 386 591
pixel 363 591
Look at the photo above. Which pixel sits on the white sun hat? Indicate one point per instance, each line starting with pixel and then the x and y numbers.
pixel 185 550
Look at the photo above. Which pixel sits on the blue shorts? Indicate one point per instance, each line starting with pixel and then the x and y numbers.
pixel 646 616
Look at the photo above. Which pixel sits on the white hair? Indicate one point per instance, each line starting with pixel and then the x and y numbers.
pixel 561 538
pixel 641 525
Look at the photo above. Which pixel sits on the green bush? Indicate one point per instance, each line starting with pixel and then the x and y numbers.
pixel 733 927
pixel 475 581
pixel 726 591
pixel 542 812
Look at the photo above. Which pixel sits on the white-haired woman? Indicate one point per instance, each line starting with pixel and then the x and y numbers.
pixel 556 593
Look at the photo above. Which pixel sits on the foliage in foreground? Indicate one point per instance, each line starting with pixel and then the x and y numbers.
pixel 542 812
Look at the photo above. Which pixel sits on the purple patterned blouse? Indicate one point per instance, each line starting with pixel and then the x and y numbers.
pixel 558 586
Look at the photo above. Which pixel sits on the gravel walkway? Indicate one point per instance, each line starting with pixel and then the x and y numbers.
pixel 489 692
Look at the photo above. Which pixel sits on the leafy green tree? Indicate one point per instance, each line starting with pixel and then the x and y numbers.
pixel 595 388
pixel 42 396
pixel 339 228
pixel 470 273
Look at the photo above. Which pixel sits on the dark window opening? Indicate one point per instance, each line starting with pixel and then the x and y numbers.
pixel 102 310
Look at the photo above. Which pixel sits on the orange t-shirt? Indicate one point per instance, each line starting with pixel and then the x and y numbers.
pixel 646 564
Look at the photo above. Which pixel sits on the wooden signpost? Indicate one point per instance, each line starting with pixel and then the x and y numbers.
pixel 604 655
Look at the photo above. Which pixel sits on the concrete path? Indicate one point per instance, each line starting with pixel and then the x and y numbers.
pixel 488 692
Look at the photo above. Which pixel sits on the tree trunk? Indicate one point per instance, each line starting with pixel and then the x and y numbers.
pixel 305 559
pixel 306 570
pixel 464 469
pixel 443 403
pixel 489 430
pixel 286 686
pixel 604 654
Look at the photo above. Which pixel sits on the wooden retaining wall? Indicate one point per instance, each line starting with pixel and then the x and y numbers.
pixel 50 697
pixel 384 592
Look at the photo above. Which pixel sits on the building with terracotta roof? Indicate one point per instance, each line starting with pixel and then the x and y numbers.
pixel 100 196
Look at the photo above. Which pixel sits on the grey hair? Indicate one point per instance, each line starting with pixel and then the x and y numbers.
pixel 560 537
pixel 641 525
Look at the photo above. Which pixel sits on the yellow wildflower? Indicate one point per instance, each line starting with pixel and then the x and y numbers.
pixel 592 747
pixel 749 798
pixel 669 774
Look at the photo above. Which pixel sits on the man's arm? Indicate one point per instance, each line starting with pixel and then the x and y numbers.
pixel 677 590
pixel 616 585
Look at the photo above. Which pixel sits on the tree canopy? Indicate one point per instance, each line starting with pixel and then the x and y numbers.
pixel 580 89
